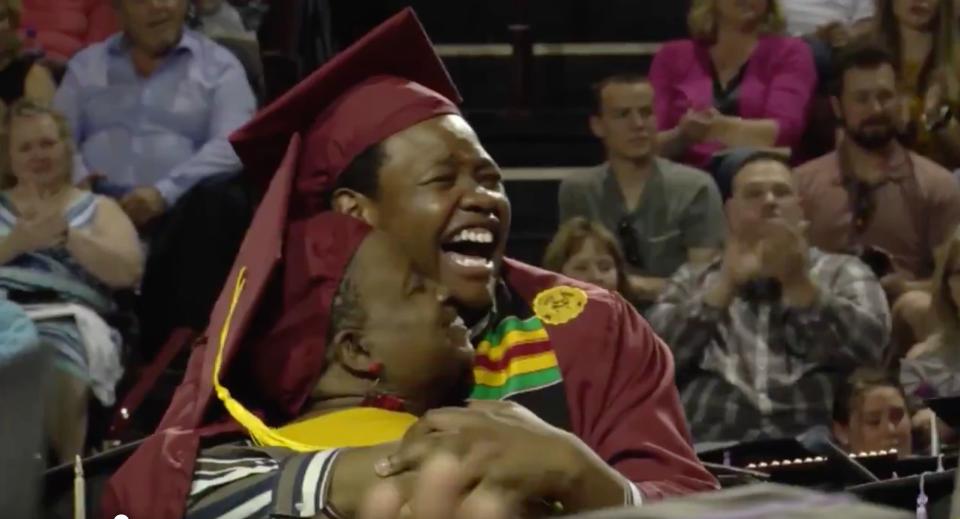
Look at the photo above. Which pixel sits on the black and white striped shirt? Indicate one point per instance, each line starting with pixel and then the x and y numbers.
pixel 245 482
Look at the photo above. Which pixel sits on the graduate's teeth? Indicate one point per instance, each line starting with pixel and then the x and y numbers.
pixel 470 261
pixel 474 236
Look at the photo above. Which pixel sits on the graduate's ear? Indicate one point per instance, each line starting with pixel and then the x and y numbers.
pixel 842 433
pixel 352 203
pixel 351 353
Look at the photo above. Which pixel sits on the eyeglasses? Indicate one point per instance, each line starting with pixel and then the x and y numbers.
pixel 630 242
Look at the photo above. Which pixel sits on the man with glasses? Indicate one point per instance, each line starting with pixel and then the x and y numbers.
pixel 874 198
pixel 759 335
pixel 663 213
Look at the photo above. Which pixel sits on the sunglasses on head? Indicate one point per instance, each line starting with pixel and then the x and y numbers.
pixel 630 242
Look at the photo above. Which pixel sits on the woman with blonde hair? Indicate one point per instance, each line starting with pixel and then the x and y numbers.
pixel 932 368
pixel 584 250
pixel 62 252
pixel 736 83
pixel 20 73
pixel 922 36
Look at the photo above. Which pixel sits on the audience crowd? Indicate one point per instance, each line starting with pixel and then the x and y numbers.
pixel 801 274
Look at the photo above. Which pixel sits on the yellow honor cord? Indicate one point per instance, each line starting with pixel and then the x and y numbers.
pixel 259 431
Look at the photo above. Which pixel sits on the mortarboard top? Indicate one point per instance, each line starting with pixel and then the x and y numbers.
pixel 395 60
pixel 270 147
pixel 387 81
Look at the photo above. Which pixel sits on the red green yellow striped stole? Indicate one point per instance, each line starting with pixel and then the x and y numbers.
pixel 514 357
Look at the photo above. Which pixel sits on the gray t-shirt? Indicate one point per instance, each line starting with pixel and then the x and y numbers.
pixel 680 209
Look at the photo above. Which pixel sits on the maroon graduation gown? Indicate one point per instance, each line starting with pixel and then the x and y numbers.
pixel 617 375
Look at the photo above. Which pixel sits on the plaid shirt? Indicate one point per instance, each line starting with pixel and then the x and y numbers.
pixel 759 369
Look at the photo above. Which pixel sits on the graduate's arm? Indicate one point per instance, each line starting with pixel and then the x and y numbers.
pixel 282 482
pixel 638 393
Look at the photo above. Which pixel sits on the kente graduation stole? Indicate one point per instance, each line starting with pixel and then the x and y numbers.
pixel 514 357
pixel 515 361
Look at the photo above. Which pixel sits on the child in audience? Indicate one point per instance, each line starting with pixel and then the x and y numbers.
pixel 870 413
pixel 586 251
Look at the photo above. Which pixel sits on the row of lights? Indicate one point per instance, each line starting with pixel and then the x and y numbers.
pixel 818 459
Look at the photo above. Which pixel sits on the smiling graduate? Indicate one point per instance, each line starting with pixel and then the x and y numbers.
pixel 596 420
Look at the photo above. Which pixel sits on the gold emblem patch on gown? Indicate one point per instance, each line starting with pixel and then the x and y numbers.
pixel 559 305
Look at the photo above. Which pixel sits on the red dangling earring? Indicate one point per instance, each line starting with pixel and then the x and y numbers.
pixel 381 400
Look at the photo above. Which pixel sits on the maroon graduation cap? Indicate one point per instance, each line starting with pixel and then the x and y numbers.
pixel 387 81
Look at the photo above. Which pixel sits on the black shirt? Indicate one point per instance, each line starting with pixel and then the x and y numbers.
pixel 726 98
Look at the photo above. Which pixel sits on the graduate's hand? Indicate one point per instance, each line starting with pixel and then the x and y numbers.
pixel 441 491
pixel 501 447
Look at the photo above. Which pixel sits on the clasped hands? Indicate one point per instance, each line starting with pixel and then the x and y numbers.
pixel 775 249
pixel 494 459
pixel 38 229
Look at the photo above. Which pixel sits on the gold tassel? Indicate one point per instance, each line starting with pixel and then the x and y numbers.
pixel 259 431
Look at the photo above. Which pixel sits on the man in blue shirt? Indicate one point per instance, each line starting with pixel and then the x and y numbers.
pixel 151 108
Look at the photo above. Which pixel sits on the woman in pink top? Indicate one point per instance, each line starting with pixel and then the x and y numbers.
pixel 66 26
pixel 737 83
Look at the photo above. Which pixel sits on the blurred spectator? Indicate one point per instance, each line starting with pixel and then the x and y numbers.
pixel 62 251
pixel 219 19
pixel 63 27
pixel 153 107
pixel 870 413
pixel 833 22
pixel 736 83
pixel 585 250
pixel 932 368
pixel 922 36
pixel 759 335
pixel 664 213
pixel 875 199
pixel 20 74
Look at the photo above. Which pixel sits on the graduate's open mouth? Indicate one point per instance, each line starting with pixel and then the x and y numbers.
pixel 470 250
